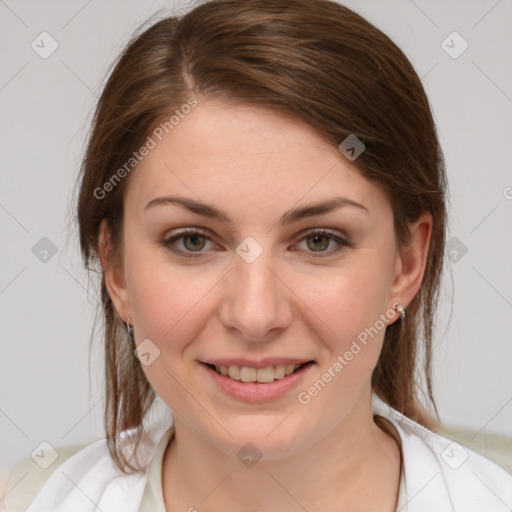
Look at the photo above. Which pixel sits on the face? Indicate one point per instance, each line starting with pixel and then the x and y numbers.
pixel 249 275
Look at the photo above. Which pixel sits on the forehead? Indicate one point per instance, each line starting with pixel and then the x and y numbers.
pixel 230 154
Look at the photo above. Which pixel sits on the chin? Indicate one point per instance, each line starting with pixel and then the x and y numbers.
pixel 268 440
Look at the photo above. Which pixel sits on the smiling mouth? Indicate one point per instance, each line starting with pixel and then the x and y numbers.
pixel 260 375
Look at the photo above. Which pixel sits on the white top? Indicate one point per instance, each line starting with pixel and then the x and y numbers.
pixel 438 475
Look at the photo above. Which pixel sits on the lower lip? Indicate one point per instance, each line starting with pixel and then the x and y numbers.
pixel 258 391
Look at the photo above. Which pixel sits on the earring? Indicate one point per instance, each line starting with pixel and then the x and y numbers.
pixel 129 328
pixel 400 309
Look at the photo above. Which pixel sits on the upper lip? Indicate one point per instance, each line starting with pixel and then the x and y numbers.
pixel 260 363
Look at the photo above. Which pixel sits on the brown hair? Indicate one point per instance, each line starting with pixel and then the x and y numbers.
pixel 317 61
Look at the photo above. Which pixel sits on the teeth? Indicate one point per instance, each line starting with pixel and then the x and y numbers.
pixel 248 374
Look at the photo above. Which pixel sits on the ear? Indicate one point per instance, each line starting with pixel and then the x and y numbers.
pixel 114 276
pixel 410 264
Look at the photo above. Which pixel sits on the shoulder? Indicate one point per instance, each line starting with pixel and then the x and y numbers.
pixel 441 474
pixel 85 478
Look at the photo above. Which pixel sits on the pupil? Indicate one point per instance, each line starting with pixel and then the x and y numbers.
pixel 194 239
pixel 316 238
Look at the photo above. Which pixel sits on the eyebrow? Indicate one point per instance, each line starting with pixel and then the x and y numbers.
pixel 289 217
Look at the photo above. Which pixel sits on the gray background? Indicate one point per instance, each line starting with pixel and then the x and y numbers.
pixel 47 308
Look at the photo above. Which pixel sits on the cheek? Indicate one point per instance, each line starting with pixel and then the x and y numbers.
pixel 350 319
pixel 171 303
pixel 166 301
pixel 349 306
pixel 169 311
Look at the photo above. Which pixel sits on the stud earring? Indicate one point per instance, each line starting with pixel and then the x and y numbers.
pixel 400 309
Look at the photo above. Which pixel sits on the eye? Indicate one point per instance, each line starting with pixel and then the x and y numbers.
pixel 195 240
pixel 320 240
pixel 191 240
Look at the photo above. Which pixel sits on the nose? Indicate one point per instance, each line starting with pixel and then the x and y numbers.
pixel 257 302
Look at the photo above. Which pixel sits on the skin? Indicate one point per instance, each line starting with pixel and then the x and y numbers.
pixel 256 164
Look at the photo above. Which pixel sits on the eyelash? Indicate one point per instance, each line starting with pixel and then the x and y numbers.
pixel 168 243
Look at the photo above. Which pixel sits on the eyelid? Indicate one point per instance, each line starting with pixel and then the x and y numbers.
pixel 341 239
pixel 169 240
pixel 323 231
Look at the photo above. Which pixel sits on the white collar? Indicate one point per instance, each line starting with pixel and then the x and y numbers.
pixel 90 481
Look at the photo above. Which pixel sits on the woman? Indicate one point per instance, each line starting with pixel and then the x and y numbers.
pixel 265 194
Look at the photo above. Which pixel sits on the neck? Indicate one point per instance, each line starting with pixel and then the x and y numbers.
pixel 355 467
